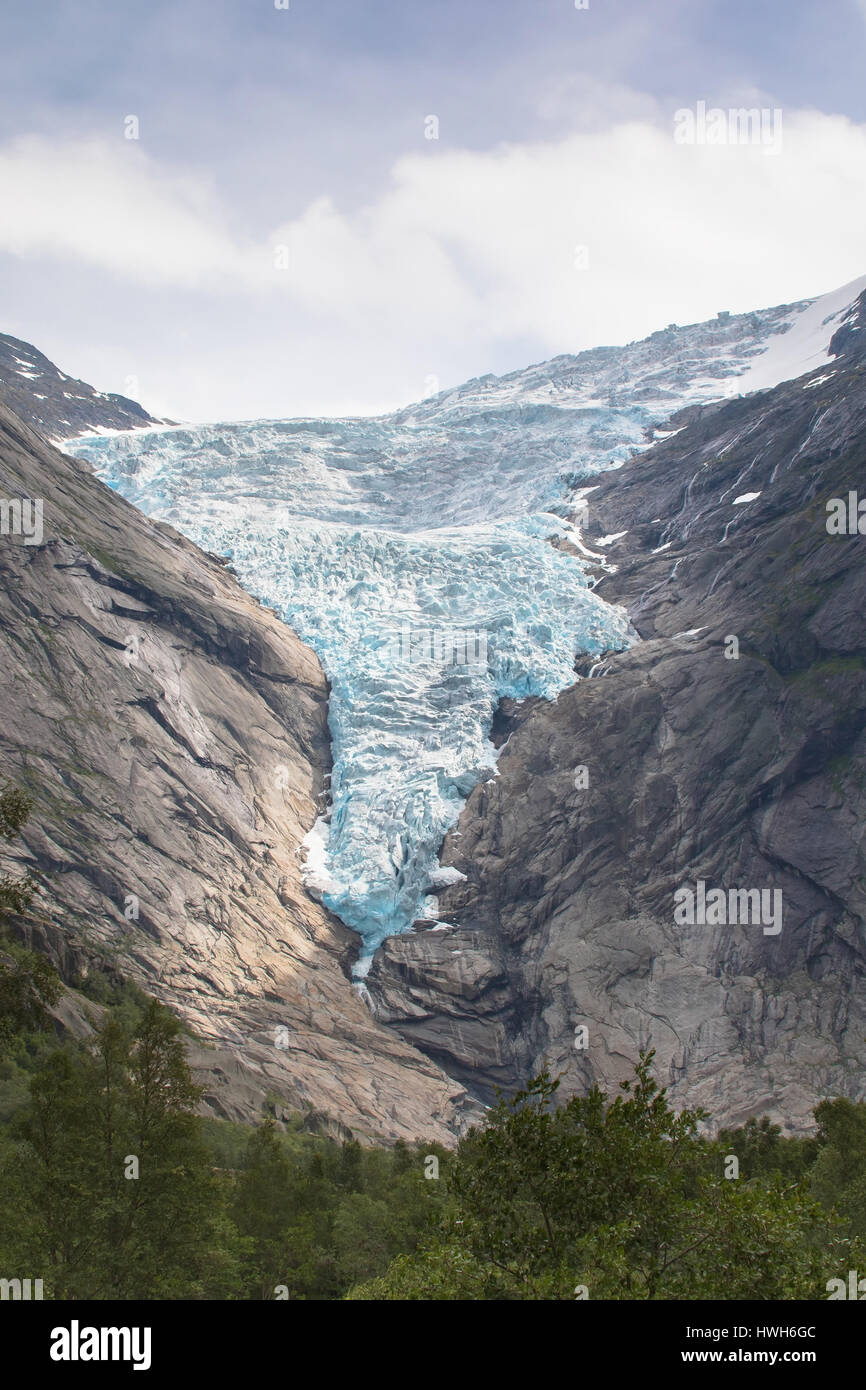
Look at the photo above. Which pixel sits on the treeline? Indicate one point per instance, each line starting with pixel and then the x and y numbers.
pixel 623 1198
pixel 112 1186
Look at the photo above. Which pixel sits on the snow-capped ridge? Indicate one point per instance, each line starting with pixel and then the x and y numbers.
pixel 451 527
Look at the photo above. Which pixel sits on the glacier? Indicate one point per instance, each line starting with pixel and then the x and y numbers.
pixel 433 560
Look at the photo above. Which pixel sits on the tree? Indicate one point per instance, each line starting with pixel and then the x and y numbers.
pixel 365 1237
pixel 263 1210
pixel 15 807
pixel 838 1178
pixel 28 984
pixel 111 1187
pixel 762 1150
pixel 623 1199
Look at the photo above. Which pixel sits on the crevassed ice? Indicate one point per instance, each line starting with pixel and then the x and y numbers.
pixel 421 628
pixel 395 545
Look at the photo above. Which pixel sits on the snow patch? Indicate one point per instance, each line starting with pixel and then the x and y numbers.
pixel 445 876
pixel 806 344
pixel 609 540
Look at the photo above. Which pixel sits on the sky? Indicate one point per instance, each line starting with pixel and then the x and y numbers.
pixel 230 210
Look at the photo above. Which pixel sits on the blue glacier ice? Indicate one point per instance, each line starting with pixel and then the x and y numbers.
pixel 413 553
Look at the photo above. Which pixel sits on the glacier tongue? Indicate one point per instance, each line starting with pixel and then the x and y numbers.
pixel 413 554
pixel 421 630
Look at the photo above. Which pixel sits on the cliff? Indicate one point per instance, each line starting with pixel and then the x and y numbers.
pixel 173 734
pixel 743 766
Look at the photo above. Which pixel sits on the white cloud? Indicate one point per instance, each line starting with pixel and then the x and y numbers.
pixel 108 205
pixel 461 253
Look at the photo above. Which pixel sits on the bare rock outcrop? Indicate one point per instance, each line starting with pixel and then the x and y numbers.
pixel 173 735
pixel 741 764
pixel 60 406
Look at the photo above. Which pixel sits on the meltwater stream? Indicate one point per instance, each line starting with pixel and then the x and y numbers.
pixel 413 553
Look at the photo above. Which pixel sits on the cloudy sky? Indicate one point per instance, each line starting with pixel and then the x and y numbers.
pixel 283 236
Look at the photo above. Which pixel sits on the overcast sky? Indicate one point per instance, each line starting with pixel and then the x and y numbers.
pixel 282 238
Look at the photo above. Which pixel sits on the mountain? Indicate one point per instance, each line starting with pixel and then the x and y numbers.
pixel 57 405
pixel 172 734
pixel 504 839
pixel 400 547
pixel 745 771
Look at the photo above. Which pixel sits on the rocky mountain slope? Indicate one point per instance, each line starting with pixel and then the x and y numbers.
pixel 380 540
pixel 173 735
pixel 57 405
pixel 743 765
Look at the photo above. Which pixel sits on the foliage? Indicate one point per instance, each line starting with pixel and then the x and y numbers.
pixel 28 984
pixel 207 1209
pixel 15 893
pixel 621 1199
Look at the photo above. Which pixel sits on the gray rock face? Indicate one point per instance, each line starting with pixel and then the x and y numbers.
pixel 746 772
pixel 57 405
pixel 173 735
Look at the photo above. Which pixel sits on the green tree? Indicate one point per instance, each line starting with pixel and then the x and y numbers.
pixel 15 807
pixel 763 1150
pixel 263 1211
pixel 838 1178
pixel 110 1192
pixel 623 1198
pixel 365 1236
pixel 28 984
